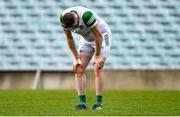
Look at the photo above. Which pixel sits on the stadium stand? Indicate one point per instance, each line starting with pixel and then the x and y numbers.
pixel 145 33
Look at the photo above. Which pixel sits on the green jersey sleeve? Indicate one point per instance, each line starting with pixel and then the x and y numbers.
pixel 89 19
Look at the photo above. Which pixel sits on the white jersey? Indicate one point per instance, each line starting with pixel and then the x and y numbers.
pixel 87 20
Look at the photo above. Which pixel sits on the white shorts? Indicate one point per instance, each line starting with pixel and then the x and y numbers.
pixel 88 48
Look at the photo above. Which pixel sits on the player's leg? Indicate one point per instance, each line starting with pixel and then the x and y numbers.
pixel 80 77
pixel 85 53
pixel 99 74
pixel 99 84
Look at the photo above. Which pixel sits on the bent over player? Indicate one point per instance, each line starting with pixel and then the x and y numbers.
pixel 95 40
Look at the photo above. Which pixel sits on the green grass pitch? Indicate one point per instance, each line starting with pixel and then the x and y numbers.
pixel 62 102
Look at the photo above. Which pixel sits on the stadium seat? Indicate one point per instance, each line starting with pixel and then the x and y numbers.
pixel 145 34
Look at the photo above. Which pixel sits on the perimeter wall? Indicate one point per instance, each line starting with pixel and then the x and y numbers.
pixel 114 79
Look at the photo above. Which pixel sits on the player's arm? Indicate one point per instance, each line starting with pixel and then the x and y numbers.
pixel 72 46
pixel 98 40
pixel 90 21
pixel 71 43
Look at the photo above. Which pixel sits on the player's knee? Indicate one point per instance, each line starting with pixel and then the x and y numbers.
pixel 80 73
pixel 97 70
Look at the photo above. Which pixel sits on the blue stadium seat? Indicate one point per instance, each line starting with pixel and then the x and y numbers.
pixel 145 34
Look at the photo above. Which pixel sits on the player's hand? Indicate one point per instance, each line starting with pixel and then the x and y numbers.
pixel 99 61
pixel 76 64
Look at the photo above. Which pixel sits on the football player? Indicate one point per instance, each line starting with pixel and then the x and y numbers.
pixel 95 42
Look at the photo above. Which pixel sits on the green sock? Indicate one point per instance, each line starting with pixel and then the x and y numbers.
pixel 82 99
pixel 99 99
